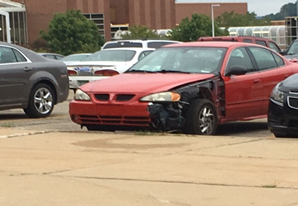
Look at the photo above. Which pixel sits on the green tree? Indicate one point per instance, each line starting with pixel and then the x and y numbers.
pixel 289 9
pixel 140 31
pixel 190 30
pixel 232 19
pixel 71 32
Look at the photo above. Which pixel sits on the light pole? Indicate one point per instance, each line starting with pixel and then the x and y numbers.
pixel 212 17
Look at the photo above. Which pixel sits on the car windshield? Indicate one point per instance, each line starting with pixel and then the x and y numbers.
pixel 112 55
pixel 293 48
pixel 182 60
pixel 75 57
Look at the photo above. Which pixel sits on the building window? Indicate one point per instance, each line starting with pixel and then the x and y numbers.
pixel 98 19
pixel 18 28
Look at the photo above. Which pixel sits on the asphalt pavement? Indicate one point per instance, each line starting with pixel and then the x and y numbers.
pixel 52 168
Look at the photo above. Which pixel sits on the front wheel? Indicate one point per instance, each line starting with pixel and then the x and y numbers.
pixel 201 118
pixel 41 101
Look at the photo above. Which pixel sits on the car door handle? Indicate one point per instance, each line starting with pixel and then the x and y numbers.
pixel 27 69
pixel 256 81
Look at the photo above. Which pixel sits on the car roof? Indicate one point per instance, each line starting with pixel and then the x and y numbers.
pixel 143 40
pixel 232 38
pixel 210 44
pixel 130 48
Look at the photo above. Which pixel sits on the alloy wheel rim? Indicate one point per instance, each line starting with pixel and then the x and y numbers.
pixel 43 100
pixel 206 120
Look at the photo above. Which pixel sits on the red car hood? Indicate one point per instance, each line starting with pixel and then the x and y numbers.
pixel 139 83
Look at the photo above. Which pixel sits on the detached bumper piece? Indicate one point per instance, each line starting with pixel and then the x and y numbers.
pixel 165 117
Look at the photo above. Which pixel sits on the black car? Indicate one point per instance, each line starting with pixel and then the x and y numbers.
pixel 283 108
pixel 292 50
pixel 30 81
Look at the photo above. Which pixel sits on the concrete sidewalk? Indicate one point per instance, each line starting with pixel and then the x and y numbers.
pixel 112 169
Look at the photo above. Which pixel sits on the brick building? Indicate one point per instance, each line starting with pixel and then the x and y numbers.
pixel 28 17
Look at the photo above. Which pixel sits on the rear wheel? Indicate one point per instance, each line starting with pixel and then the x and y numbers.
pixel 41 101
pixel 201 118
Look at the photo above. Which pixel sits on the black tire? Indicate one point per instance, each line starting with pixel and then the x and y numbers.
pixel 41 101
pixel 201 118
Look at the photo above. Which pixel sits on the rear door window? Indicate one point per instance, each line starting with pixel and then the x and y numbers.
pixel 264 58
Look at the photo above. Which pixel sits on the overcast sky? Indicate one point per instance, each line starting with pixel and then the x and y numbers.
pixel 260 7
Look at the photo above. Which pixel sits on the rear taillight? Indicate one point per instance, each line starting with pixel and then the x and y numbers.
pixel 72 73
pixel 105 73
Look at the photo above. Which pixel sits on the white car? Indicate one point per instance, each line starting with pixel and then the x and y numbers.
pixel 104 64
pixel 138 43
pixel 74 58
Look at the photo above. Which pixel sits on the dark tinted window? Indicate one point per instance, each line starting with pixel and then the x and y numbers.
pixel 247 40
pixel 157 45
pixel 263 43
pixel 122 44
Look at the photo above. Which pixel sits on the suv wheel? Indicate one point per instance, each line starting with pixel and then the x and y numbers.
pixel 41 101
pixel 201 118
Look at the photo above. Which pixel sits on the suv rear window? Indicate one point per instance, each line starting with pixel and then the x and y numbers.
pixel 123 44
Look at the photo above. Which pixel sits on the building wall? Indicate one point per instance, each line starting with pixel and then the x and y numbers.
pixel 155 14
pixel 119 11
pixel 184 10
pixel 41 12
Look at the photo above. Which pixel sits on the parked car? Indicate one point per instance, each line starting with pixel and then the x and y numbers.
pixel 30 81
pixel 103 64
pixel 52 56
pixel 74 58
pixel 292 51
pixel 249 39
pixel 283 108
pixel 138 43
pixel 192 87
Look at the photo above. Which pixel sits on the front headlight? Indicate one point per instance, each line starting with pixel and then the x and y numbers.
pixel 277 95
pixel 162 97
pixel 80 95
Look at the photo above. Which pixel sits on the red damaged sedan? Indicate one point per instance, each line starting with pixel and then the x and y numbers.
pixel 192 87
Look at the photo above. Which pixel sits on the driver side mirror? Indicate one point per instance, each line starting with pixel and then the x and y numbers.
pixel 236 70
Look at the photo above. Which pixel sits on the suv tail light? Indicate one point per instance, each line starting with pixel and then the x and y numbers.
pixel 72 73
pixel 106 72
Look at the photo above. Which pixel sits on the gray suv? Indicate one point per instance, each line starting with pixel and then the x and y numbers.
pixel 30 81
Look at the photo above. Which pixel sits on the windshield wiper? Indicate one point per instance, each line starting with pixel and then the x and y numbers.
pixel 173 71
pixel 139 71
